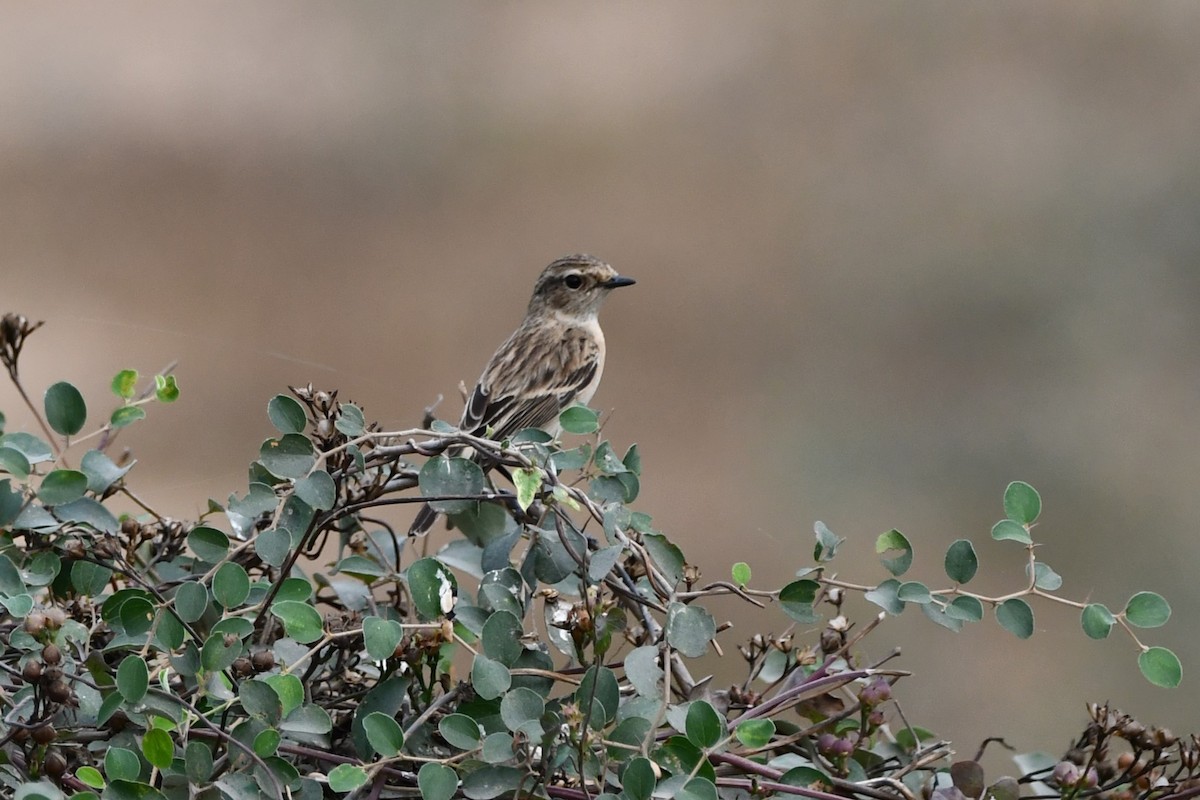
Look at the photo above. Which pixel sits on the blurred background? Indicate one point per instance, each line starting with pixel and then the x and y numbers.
pixel 889 258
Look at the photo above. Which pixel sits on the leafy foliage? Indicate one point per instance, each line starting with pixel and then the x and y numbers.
pixel 289 643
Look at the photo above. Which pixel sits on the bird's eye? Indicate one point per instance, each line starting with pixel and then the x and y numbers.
pixel 573 281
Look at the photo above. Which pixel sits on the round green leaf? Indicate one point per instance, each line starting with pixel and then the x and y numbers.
pixel 443 476
pixel 273 545
pixel 65 409
pixel 600 688
pixel 579 420
pixel 133 678
pixel 261 701
pixel 965 608
pixel 437 781
pixel 90 776
pixel 350 420
pixel 896 543
pixel 489 678
pixel 1161 667
pixel 961 561
pixel 301 621
pixel 381 637
pixel 219 652
pixel 286 414
pixel 638 779
pixel 755 733
pixel 502 638
pixel 124 383
pixel 290 456
pixel 1021 503
pixel 267 742
pixel 231 585
pixel 1007 529
pixel 198 761
pixel 289 689
pixel 522 709
pixel 690 629
pixel 346 777
pixel 101 471
pixel 158 748
pixel 126 415
pixel 433 588
pixel 62 486
pixel 317 489
pixel 527 481
pixel 492 781
pixel 384 734
pixel 121 764
pixel 14 462
pixel 1097 621
pixel 1044 577
pixel 1016 617
pixel 191 600
pixel 704 726
pixel 460 731
pixel 740 573
pixel 1147 610
pixel 796 599
pixel 643 671
pixel 885 596
pixel 209 544
pixel 914 592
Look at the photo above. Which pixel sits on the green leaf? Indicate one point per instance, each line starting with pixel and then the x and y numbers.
pixel 381 637
pixel 124 383
pixel 638 779
pixel 1044 577
pixel 437 781
pixel 209 544
pixel 579 420
pixel 885 595
pixel 961 561
pixel 1016 617
pixel 261 701
pixel 273 546
pixel 755 733
pixel 965 608
pixel 796 599
pixel 527 481
pixel 633 460
pixel 14 462
pixel 267 742
pixel 827 543
pixel 1097 621
pixel 914 592
pixel 121 764
pixel 289 689
pixel 1147 610
pixel 317 489
pixel 350 420
pixel 346 777
pixel 133 678
pixel 158 748
pixel 1007 529
pixel 166 389
pixel 442 476
pixel 741 573
pixel 286 414
pixel 62 486
pixel 301 621
pixel 231 585
pixel 433 588
pixel 384 734
pixel 1161 667
pixel 198 762
pixel 521 710
pixel 643 671
pixel 501 638
pixel 101 471
pixel 65 410
pixel 492 781
pixel 690 629
pixel 219 652
pixel 290 456
pixel 30 446
pixel 704 726
pixel 460 731
pixel 1022 504
pixel 90 776
pixel 894 542
pixel 600 690
pixel 126 415
pixel 489 678
pixel 191 600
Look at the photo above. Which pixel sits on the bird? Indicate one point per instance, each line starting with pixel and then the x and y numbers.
pixel 554 358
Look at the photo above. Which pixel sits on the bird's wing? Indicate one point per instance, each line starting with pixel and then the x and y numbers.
pixel 534 405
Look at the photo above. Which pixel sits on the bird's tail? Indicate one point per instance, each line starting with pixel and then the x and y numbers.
pixel 424 520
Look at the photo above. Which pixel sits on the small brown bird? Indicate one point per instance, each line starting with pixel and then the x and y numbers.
pixel 553 359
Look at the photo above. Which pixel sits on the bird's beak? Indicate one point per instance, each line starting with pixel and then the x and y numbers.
pixel 620 280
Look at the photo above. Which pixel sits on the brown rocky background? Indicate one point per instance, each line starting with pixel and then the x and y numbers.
pixel 890 257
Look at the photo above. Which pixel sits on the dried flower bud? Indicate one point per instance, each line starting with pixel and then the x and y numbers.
pixel 263 660
pixel 45 734
pixel 51 655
